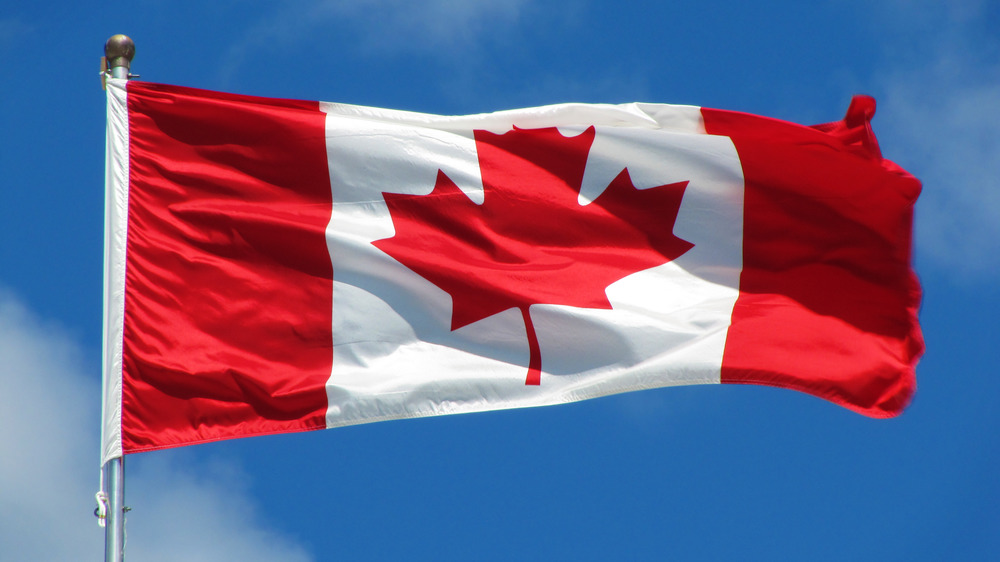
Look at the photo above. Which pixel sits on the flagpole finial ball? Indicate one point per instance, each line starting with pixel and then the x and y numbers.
pixel 119 50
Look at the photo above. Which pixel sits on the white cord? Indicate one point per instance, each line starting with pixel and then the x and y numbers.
pixel 102 508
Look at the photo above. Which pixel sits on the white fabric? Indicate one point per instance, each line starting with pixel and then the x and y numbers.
pixel 115 217
pixel 395 355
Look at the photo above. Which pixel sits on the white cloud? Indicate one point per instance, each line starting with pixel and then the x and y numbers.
pixel 448 29
pixel 954 143
pixel 940 118
pixel 49 469
pixel 403 24
pixel 48 461
pixel 207 517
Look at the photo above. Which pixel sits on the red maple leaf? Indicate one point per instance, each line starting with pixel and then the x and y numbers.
pixel 530 241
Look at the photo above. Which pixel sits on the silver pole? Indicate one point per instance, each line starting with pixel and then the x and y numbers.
pixel 118 51
pixel 114 529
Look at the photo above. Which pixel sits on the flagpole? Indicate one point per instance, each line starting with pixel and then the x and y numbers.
pixel 114 528
pixel 118 53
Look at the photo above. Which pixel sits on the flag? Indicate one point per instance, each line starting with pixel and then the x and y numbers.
pixel 277 265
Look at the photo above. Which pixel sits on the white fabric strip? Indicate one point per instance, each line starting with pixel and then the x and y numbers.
pixel 395 355
pixel 115 225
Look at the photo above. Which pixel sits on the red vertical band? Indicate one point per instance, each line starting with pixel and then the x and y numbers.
pixel 228 282
pixel 828 301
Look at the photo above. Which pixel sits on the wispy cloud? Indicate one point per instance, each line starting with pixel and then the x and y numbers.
pixel 392 25
pixel 448 29
pixel 49 469
pixel 48 460
pixel 941 120
pixel 208 516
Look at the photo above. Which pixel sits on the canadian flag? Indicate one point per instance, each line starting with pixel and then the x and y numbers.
pixel 277 265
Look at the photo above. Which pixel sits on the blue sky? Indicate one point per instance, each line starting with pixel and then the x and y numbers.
pixel 697 473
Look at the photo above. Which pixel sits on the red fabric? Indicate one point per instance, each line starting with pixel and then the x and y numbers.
pixel 531 242
pixel 828 301
pixel 226 218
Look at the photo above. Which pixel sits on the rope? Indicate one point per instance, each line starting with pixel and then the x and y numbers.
pixel 101 512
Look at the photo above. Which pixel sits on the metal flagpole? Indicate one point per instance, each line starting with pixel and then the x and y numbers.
pixel 118 53
pixel 114 528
